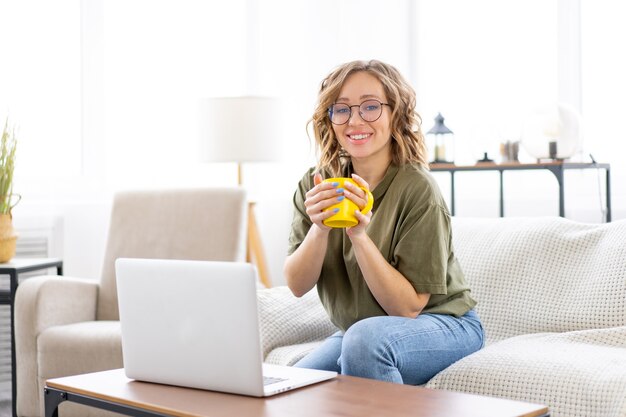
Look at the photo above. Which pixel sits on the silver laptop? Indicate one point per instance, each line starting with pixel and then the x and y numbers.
pixel 195 324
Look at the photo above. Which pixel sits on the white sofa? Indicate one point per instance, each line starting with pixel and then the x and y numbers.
pixel 552 298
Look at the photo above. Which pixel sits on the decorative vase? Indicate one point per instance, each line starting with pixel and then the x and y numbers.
pixel 7 238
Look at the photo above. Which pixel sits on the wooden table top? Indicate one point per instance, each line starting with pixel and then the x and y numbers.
pixel 342 396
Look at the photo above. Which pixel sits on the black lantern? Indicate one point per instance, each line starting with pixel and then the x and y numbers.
pixel 441 141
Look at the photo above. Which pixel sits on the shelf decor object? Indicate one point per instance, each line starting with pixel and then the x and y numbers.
pixel 552 132
pixel 441 142
pixel 242 130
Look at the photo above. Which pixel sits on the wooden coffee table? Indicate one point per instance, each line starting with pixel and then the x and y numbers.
pixel 343 396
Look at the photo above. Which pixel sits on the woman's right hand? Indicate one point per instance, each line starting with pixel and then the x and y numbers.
pixel 320 197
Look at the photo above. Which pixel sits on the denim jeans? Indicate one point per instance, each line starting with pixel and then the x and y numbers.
pixel 399 349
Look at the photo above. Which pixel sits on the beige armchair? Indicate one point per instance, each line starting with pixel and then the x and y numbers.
pixel 67 326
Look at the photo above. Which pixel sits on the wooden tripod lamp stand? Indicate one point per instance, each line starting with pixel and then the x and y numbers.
pixel 242 129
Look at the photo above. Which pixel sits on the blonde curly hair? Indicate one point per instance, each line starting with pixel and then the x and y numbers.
pixel 407 145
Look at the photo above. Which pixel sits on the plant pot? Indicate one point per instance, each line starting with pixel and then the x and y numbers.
pixel 7 238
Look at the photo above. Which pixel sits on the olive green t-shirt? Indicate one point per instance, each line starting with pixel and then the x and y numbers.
pixel 410 225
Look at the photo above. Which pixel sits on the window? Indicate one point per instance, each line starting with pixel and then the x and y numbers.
pixel 485 64
pixel 40 83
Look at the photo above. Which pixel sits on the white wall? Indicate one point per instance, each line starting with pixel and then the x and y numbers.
pixel 83 231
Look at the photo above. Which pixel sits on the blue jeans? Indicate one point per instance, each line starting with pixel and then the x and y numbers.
pixel 399 349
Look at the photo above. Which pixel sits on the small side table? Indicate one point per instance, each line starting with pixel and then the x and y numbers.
pixel 13 268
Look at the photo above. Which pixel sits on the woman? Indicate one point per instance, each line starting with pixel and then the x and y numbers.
pixel 391 283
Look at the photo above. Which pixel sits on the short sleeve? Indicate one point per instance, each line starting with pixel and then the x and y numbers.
pixel 423 248
pixel 301 222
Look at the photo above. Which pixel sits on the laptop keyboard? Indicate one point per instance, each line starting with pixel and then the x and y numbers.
pixel 267 380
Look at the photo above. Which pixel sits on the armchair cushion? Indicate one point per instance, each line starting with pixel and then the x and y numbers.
pixel 78 348
pixel 193 224
pixel 41 303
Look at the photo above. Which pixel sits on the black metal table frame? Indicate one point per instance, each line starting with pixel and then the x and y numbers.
pixel 8 297
pixel 556 168
pixel 54 397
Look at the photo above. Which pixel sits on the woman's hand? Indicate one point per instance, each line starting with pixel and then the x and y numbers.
pixel 303 267
pixel 358 197
pixel 320 197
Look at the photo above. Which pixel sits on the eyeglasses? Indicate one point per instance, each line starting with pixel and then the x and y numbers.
pixel 369 110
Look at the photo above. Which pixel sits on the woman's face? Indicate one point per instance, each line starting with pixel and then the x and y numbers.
pixel 364 141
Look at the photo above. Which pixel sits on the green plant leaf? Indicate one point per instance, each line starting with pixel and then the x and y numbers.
pixel 7 165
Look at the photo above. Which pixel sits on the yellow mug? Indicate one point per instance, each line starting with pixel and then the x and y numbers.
pixel 345 216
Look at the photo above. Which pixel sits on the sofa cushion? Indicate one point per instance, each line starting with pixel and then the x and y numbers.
pixel 577 374
pixel 533 275
pixel 286 320
pixel 288 355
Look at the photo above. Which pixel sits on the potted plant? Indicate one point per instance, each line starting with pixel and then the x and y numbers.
pixel 8 200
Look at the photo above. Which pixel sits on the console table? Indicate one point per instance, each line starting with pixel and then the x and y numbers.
pixel 555 167
pixel 13 268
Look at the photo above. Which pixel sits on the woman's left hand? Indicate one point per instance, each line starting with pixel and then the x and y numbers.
pixel 358 197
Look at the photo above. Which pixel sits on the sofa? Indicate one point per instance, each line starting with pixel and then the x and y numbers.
pixel 551 293
pixel 552 297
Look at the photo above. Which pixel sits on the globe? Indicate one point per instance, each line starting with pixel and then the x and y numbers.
pixel 552 132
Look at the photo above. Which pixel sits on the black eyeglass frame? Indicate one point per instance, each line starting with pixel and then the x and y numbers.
pixel 330 111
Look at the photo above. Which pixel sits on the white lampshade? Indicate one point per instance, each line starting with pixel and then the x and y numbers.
pixel 240 129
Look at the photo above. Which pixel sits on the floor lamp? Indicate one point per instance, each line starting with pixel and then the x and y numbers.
pixel 242 130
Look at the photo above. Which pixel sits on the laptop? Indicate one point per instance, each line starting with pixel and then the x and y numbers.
pixel 195 324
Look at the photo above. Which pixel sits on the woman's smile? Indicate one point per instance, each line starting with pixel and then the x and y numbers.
pixel 358 137
pixel 363 140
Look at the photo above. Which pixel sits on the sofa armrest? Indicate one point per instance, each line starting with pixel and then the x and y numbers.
pixel 40 303
pixel 286 320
